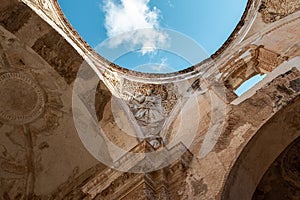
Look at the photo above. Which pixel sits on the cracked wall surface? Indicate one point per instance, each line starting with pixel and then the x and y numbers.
pixel 236 139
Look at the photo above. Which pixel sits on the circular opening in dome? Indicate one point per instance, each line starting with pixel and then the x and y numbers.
pixel 154 36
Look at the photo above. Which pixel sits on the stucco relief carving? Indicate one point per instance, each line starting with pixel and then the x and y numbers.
pixel 150 105
pixel 13 164
pixel 22 100
pixel 248 62
pixel 144 100
pixel 112 184
pixel 112 82
pixel 262 58
pixel 266 59
pixel 146 107
pixel 17 164
pixel 273 10
pixel 166 94
pixel 30 107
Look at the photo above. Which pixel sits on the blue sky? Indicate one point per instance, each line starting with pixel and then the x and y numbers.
pixel 249 84
pixel 207 22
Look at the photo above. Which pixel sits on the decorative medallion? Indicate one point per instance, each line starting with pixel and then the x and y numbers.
pixel 22 100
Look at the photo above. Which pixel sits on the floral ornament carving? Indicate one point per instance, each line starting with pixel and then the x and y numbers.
pixel 273 10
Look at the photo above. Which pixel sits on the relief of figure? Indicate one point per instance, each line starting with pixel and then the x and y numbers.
pixel 148 111
pixel 147 108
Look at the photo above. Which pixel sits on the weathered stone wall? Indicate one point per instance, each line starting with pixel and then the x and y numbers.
pixel 42 157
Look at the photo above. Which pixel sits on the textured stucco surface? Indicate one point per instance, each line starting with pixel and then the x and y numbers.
pixel 236 138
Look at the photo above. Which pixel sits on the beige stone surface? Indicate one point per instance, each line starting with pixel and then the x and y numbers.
pixel 232 145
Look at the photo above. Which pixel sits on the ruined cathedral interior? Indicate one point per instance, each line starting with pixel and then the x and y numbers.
pixel 74 125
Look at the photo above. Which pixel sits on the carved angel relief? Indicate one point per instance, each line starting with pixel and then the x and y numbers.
pixel 150 104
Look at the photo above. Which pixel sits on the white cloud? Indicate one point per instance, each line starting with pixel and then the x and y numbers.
pixel 161 67
pixel 170 4
pixel 133 22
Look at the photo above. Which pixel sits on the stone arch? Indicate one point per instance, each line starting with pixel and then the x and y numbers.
pixel 261 151
pixel 282 180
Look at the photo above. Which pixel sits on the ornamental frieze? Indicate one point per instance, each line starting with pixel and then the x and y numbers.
pixel 266 59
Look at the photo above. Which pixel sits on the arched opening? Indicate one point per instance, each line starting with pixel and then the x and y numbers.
pixel 248 84
pixel 210 23
pixel 262 150
pixel 246 72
